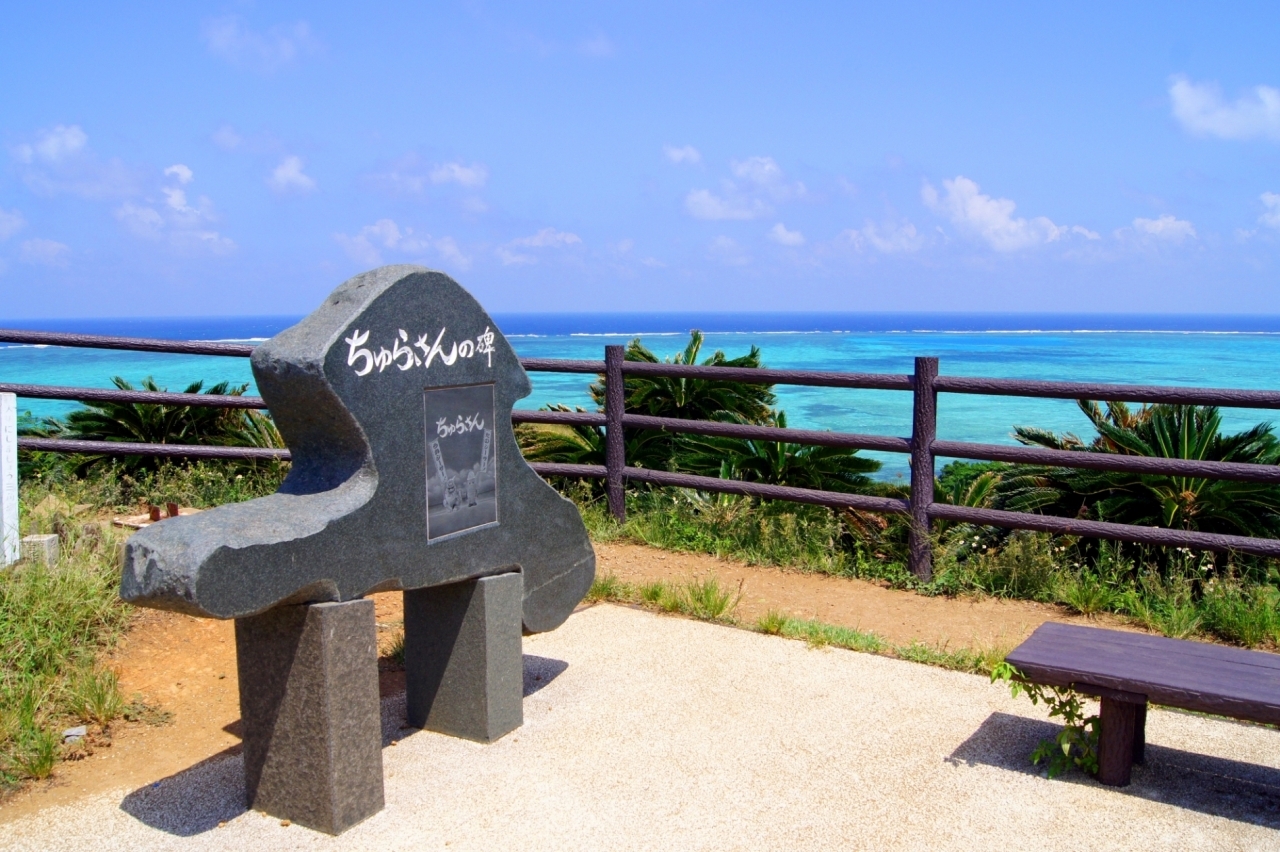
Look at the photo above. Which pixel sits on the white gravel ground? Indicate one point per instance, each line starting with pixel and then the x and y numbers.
pixel 648 732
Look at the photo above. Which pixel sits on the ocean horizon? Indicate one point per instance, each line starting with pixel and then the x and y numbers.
pixel 1231 351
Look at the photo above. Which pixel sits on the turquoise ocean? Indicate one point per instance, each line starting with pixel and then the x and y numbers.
pixel 1213 351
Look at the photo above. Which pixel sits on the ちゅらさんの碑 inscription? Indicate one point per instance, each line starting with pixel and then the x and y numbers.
pixel 394 398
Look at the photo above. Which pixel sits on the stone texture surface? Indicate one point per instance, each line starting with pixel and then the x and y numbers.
pixel 310 710
pixel 42 549
pixel 462 655
pixel 351 516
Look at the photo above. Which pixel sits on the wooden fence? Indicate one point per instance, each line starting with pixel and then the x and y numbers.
pixel 923 446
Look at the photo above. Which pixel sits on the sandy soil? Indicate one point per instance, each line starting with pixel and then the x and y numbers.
pixel 187 665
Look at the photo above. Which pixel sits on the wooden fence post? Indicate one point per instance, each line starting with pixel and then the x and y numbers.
pixel 924 428
pixel 615 451
pixel 9 538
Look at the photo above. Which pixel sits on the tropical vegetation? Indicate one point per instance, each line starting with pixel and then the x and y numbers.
pixel 753 460
pixel 159 424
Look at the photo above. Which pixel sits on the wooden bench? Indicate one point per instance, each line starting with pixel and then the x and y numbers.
pixel 1128 670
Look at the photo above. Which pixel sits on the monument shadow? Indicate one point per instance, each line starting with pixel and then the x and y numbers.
pixel 212 791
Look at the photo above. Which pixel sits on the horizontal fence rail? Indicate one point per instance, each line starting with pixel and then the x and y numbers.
pixel 922 446
pixel 203 400
pixel 129 448
pixel 132 344
pixel 1171 394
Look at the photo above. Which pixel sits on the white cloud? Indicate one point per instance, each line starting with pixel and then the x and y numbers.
pixel 1200 108
pixel 59 161
pixel 448 249
pixel 683 154
pixel 779 234
pixel 472 175
pixel 625 246
pixel 181 172
pixel 992 219
pixel 231 39
pixel 226 138
pixel 1270 217
pixel 1165 228
pixel 759 181
pixel 142 221
pixel 889 237
pixel 766 175
pixel 702 204
pixel 599 46
pixel 289 177
pixel 53 146
pixel 184 225
pixel 513 258
pixel 409 175
pixel 367 245
pixel 761 170
pixel 44 252
pixel 11 222
pixel 548 238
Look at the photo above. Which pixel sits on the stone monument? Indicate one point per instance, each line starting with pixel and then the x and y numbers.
pixel 394 398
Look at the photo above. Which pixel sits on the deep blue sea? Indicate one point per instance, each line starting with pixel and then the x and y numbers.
pixel 1211 351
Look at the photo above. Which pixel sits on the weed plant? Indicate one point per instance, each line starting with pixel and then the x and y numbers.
pixel 54 622
pixel 113 488
pixel 705 600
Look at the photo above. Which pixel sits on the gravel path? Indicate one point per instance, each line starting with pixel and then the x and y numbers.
pixel 650 732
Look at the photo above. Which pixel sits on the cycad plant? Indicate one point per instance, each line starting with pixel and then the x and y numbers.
pixel 163 424
pixel 775 462
pixel 687 399
pixel 690 399
pixel 1178 502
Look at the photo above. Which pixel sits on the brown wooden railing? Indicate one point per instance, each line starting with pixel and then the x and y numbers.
pixel 923 447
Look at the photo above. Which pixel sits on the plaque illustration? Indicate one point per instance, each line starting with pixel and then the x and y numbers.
pixel 462 481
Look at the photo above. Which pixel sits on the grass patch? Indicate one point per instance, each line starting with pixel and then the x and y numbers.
pixel 54 622
pixel 740 528
pixel 816 634
pixel 705 600
pixel 201 485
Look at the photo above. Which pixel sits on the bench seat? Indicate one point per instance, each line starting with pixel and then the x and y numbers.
pixel 1127 670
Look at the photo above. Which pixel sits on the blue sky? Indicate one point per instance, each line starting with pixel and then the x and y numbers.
pixel 188 159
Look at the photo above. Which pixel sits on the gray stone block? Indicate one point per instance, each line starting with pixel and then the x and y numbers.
pixel 398 374
pixel 464 672
pixel 42 549
pixel 310 712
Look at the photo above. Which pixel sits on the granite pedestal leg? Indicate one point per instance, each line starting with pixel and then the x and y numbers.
pixel 311 713
pixel 464 672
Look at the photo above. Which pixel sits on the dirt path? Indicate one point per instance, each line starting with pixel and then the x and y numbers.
pixel 187 665
pixel 901 617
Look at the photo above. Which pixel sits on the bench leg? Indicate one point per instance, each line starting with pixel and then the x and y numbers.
pixel 1117 744
pixel 1140 733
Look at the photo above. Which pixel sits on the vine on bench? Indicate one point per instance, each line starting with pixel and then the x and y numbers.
pixel 1076 745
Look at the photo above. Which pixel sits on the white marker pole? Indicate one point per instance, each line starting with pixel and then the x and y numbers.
pixel 9 544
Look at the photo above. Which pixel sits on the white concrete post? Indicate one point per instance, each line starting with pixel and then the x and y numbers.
pixel 8 479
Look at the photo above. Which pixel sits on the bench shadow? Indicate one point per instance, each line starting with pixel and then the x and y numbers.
pixel 1235 790
pixel 196 799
